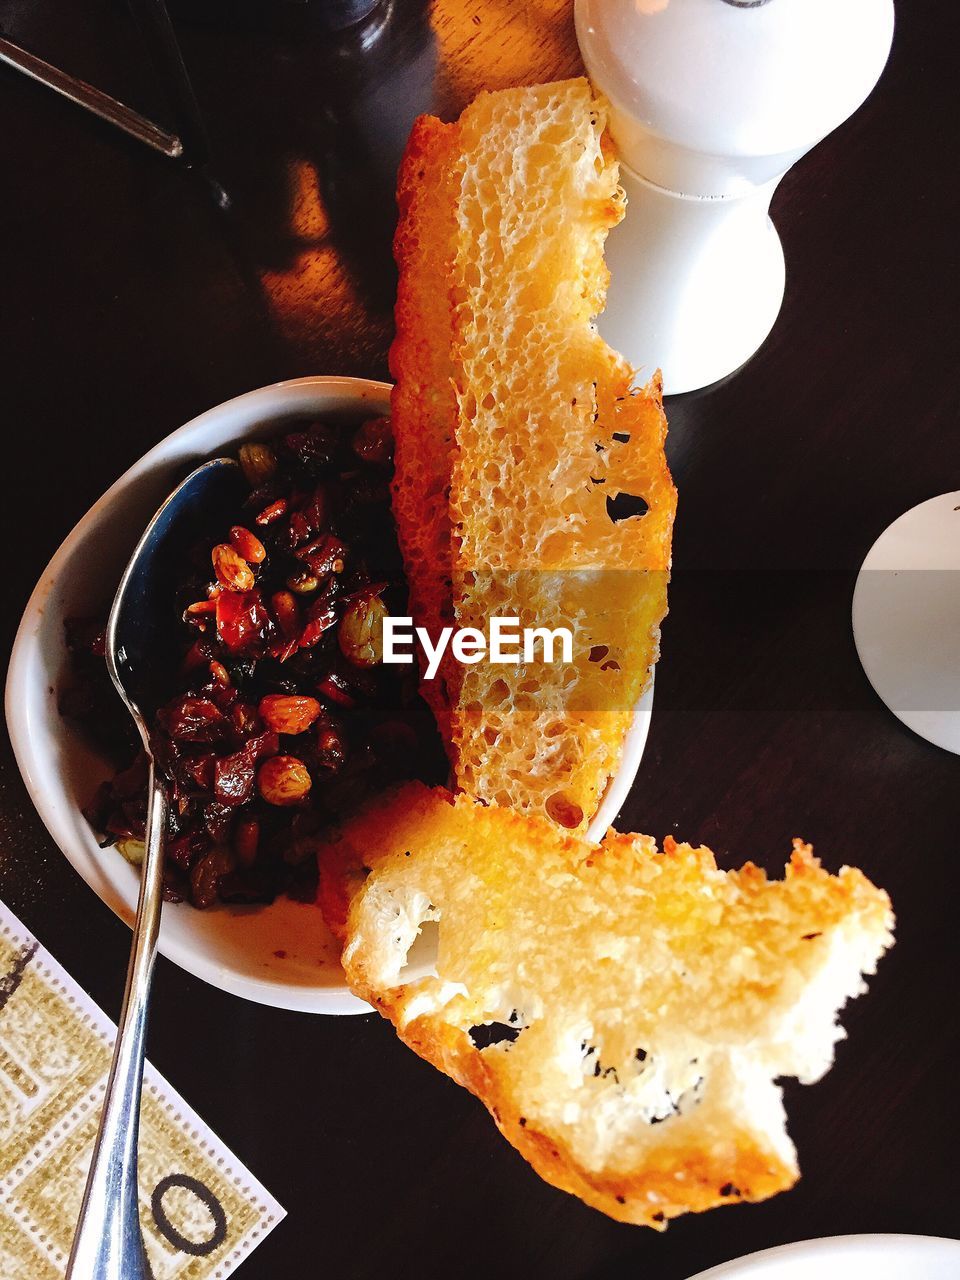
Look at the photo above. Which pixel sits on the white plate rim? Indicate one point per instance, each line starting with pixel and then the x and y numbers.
pixel 844 1249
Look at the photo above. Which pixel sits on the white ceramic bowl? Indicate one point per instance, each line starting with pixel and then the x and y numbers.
pixel 279 954
pixel 875 1257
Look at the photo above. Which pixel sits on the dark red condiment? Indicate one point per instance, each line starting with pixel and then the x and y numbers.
pixel 278 715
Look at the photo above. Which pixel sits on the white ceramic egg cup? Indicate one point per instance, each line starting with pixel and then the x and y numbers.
pixel 711 102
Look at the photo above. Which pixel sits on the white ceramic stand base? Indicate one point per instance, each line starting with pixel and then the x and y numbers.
pixel 906 619
pixel 696 282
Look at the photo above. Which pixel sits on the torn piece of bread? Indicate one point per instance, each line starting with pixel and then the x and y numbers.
pixel 560 504
pixel 645 1002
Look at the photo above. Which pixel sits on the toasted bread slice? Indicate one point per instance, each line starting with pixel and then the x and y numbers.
pixel 646 1001
pixel 560 506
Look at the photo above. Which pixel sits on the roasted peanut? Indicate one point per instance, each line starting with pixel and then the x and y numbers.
pixel 283 780
pixel 231 569
pixel 247 544
pixel 288 713
pixel 258 461
pixel 361 631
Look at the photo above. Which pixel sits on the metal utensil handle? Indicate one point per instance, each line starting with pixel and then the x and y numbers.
pixel 108 1244
pixel 91 99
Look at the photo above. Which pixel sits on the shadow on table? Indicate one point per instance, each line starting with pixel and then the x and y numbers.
pixel 308 128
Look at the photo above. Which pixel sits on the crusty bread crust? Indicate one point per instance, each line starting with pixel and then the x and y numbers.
pixel 516 428
pixel 654 999
pixel 423 402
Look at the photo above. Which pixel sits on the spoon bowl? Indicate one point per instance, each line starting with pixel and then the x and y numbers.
pixel 142 626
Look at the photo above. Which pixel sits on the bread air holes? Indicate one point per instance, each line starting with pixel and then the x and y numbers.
pixel 564 811
pixel 592 1065
pixel 657 1089
pixel 421 958
pixel 674 1104
pixel 624 506
pixel 499 690
pixel 486 1035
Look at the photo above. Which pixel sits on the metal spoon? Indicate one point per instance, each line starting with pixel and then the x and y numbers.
pixel 108 1244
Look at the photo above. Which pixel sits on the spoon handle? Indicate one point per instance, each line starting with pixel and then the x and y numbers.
pixel 108 1244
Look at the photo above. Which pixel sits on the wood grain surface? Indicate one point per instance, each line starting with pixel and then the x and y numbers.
pixel 129 303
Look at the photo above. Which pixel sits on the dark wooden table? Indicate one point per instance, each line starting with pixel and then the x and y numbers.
pixel 128 304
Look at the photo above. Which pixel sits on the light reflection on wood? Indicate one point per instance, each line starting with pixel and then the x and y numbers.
pixel 326 318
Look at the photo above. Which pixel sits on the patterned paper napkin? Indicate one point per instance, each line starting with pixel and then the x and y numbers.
pixel 201 1211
